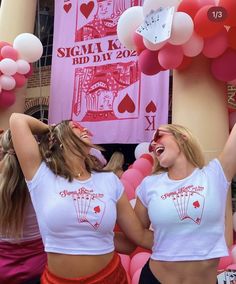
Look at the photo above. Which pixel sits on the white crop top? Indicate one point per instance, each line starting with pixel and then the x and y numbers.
pixel 76 217
pixel 187 215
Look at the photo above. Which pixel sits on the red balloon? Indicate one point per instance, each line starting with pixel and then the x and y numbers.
pixel 138 41
pixel 7 98
pixel 189 7
pixel 20 80
pixel 232 37
pixel 222 67
pixel 204 26
pixel 148 62
pixel 230 6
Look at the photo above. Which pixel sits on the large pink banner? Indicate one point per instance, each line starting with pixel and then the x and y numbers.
pixel 95 79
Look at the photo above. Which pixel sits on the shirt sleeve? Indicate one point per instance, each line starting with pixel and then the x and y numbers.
pixel 118 186
pixel 40 173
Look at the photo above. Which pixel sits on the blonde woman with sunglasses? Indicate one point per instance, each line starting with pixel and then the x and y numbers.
pixel 184 201
pixel 77 205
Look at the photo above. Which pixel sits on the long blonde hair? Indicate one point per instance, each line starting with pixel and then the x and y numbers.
pixel 187 143
pixel 116 163
pixel 53 144
pixel 14 194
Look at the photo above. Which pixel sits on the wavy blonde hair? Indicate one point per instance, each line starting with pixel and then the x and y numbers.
pixel 115 163
pixel 14 194
pixel 52 148
pixel 187 143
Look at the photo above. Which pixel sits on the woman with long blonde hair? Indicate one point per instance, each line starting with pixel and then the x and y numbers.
pixel 22 256
pixel 77 205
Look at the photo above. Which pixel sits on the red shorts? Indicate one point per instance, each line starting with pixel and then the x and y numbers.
pixel 22 262
pixel 113 273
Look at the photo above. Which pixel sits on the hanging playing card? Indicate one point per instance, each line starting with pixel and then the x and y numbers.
pixel 157 25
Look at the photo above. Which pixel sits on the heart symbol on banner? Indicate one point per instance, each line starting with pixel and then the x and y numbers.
pixel 67 7
pixel 97 209
pixel 196 204
pixel 86 9
pixel 126 104
pixel 151 107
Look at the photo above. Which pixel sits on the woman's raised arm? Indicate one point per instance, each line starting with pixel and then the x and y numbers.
pixel 23 129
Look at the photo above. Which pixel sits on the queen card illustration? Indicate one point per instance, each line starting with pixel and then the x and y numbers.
pixel 106 78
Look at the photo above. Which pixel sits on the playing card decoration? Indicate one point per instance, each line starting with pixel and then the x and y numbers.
pixel 157 25
pixel 189 205
pixel 177 33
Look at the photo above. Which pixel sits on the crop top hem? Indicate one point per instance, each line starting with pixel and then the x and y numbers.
pixel 78 252
pixel 216 254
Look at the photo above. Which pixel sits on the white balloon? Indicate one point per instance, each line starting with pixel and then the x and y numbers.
pixel 141 149
pixel 23 66
pixel 29 47
pixel 193 46
pixel 182 28
pixel 128 22
pixel 156 4
pixel 7 82
pixel 8 66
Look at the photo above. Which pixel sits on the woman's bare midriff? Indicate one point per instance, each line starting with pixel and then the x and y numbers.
pixel 74 266
pixel 185 272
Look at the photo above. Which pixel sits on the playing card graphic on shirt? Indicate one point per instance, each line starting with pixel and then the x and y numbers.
pixel 89 208
pixel 189 205
pixel 195 207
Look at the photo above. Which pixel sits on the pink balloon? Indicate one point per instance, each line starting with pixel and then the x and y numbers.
pixel 232 121
pixel 143 165
pixel 148 62
pixel 225 261
pixel 148 157
pixel 222 67
pixel 216 45
pixel 233 253
pixel 170 56
pixel 125 261
pixel 138 261
pixel 7 98
pixel 9 52
pixel 20 80
pixel 133 176
pixel 136 276
pixel 129 188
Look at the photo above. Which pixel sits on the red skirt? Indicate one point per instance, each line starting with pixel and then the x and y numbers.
pixel 113 273
pixel 22 262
